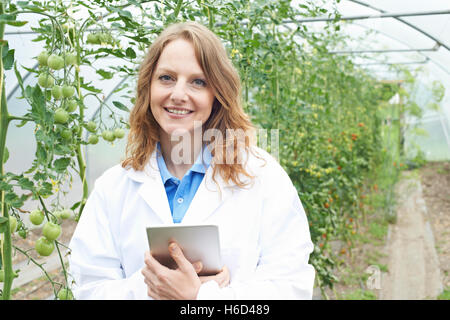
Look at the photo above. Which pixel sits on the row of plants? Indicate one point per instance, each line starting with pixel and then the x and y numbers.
pixel 325 108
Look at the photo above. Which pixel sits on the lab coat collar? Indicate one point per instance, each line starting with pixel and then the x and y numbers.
pixel 206 201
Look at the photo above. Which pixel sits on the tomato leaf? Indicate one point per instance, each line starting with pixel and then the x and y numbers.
pixel 120 106
pixel 26 184
pixel 61 164
pixel 105 74
pixel 16 23
pixel 130 53
pixel 88 87
pixel 18 76
pixel 5 155
pixel 5 186
pixel 76 205
pixel 8 60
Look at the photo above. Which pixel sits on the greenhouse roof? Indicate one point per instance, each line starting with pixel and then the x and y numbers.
pixel 378 34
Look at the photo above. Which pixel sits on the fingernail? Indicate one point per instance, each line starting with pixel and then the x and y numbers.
pixel 173 247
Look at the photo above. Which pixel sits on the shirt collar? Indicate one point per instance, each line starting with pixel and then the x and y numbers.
pixel 201 164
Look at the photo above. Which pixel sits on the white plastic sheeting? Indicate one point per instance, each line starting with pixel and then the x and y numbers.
pixel 411 41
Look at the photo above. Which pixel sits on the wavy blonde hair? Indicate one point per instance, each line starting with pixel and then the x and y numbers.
pixel 227 112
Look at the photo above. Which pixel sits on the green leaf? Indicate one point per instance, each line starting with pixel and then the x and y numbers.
pixel 46 189
pixel 26 184
pixel 76 205
pixel 130 53
pixel 90 88
pixel 120 106
pixel 5 155
pixel 18 76
pixel 105 74
pixel 7 17
pixel 16 23
pixel 5 186
pixel 61 164
pixel 8 60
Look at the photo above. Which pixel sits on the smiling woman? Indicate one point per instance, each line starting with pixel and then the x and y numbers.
pixel 187 82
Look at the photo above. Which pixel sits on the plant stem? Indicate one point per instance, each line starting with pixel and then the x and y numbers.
pixel 4 121
pixel 80 158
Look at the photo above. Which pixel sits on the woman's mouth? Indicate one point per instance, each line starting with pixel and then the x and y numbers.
pixel 175 112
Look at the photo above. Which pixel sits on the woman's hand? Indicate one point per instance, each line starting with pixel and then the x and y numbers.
pixel 222 278
pixel 166 284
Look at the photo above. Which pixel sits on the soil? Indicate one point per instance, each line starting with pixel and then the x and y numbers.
pixel 435 179
pixel 355 259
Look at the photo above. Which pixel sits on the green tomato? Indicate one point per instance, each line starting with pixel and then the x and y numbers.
pixel 42 58
pixel 93 139
pixel 65 214
pixel 46 80
pixel 72 105
pixel 57 92
pixel 68 91
pixel 55 62
pixel 61 116
pixel 65 294
pixel 22 233
pixel 93 38
pixel 119 133
pixel 71 59
pixel 51 231
pixel 91 126
pixel 12 224
pixel 37 217
pixel 44 247
pixel 66 134
pixel 108 135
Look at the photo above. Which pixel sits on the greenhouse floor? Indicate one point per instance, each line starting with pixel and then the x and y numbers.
pixel 413 267
pixel 412 255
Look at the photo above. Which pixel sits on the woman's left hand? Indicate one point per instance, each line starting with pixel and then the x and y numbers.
pixel 163 283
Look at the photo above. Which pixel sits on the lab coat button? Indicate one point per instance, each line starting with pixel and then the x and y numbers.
pixel 180 200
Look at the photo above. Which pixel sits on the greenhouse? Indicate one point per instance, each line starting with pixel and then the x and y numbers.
pixel 351 98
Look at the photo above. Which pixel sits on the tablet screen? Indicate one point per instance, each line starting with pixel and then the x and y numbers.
pixel 198 242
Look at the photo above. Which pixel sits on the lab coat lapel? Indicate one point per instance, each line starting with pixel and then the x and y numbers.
pixel 207 199
pixel 152 189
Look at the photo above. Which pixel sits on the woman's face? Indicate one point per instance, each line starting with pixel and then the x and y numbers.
pixel 179 92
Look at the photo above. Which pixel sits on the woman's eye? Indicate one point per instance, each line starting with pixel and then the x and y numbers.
pixel 165 78
pixel 200 82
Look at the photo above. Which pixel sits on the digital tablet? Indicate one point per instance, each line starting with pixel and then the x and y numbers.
pixel 198 242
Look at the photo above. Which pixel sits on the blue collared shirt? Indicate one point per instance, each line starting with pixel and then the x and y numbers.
pixel 180 193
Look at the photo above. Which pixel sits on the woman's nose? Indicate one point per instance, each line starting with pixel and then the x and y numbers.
pixel 179 92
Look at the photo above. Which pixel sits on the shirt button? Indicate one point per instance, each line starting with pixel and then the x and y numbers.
pixel 180 200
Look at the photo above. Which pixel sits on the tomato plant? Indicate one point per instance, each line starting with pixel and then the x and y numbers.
pixel 325 108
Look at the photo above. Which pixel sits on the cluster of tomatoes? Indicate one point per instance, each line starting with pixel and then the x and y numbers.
pixel 45 245
pixel 50 232
pixel 65 93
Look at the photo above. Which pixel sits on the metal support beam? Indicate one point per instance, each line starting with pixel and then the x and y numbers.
pixel 368 16
pixel 403 21
pixel 391 63
pixel 435 48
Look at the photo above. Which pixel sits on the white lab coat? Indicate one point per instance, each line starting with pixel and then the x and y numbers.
pixel 264 234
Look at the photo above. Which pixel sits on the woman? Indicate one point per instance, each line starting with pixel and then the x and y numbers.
pixel 187 85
